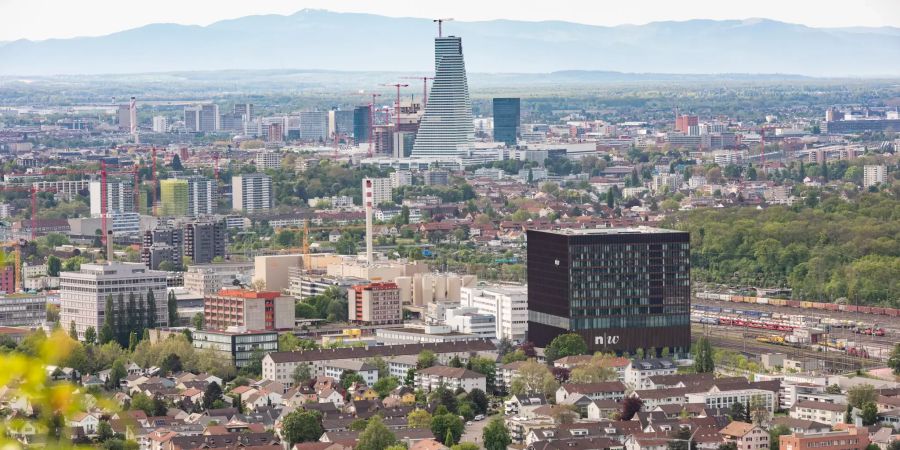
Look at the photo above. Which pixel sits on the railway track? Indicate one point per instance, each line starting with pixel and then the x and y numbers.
pixel 744 341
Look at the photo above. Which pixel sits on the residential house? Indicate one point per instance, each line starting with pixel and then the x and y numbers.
pixel 746 436
pixel 827 413
pixel 452 378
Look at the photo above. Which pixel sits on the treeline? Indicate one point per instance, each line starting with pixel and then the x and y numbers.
pixel 826 250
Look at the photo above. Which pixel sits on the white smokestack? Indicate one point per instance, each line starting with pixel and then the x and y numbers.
pixel 367 202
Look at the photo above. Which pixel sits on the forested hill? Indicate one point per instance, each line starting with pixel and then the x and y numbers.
pixel 824 249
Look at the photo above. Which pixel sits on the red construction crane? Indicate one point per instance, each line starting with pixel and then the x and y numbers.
pixel 424 88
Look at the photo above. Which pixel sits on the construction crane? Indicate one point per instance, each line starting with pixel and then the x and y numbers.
pixel 440 23
pixel 424 88
pixel 397 118
pixel 372 124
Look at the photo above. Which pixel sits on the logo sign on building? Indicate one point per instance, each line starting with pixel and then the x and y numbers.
pixel 606 340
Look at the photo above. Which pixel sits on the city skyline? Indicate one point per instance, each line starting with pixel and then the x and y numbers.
pixel 28 19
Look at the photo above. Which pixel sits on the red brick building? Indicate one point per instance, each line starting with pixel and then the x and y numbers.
pixel 250 310
pixel 849 439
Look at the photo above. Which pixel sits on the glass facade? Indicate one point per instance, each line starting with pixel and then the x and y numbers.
pixel 611 286
pixel 506 120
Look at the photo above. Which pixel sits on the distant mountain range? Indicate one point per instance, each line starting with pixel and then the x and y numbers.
pixel 316 39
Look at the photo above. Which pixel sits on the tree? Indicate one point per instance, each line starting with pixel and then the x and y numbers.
pixel 426 359
pixel 151 308
pixel 348 377
pixel 533 377
pixel 73 333
pixel 737 412
pixel 869 414
pixel 758 411
pixel 833 389
pixel 302 426
pixel 444 397
pixel 176 163
pixel 775 433
pixel 171 363
pixel 301 374
pixel 455 362
pixel 197 321
pixel 53 266
pixel 376 436
pixel 727 446
pixel 479 400
pixel 680 442
pixel 630 407
pixel 894 360
pixel 104 431
pixel 848 414
pixel 861 394
pixel 447 428
pixel 212 394
pixel 90 336
pixel 172 304
pixel 107 332
pixel 419 418
pixel 116 374
pixel 144 403
pixel 254 364
pixel 410 378
pixel 703 357
pixel 496 435
pixel 385 385
pixel 598 370
pixel 568 344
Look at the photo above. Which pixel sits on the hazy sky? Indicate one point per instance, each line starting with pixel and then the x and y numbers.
pixel 43 19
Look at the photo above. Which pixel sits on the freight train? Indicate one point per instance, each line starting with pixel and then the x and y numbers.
pixel 877 310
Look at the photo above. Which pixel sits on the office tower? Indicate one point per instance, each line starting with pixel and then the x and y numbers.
pixel 361 125
pixel 205 240
pixel 508 304
pixel 684 122
pixel 276 132
pixel 191 119
pixel 446 128
pixel 374 304
pixel 163 244
pixel 83 294
pixel 119 197
pixel 620 289
pixel 203 196
pixel 252 193
pixel 249 310
pixel 231 122
pixel 343 122
pixel 400 178
pixel 436 177
pixel 160 124
pixel 507 120
pixel 313 126
pixel 173 197
pixel 873 175
pixel 123 117
pixel 244 111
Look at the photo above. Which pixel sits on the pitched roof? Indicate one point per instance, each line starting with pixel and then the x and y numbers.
pixel 382 351
pixel 591 388
pixel 451 372
pixel 833 407
pixel 737 429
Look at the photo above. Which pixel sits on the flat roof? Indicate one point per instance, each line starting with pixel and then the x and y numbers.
pixel 609 231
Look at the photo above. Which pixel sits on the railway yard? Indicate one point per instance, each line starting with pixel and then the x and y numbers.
pixel 841 341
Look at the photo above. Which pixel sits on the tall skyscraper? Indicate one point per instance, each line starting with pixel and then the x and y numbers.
pixel 201 118
pixel 620 289
pixel 205 240
pixel 313 126
pixel 244 111
pixel 361 124
pixel 343 122
pixel 252 193
pixel 446 128
pixel 507 120
pixel 173 197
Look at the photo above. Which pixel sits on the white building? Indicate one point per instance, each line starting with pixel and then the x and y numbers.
pixel 873 175
pixel 723 399
pixel 470 321
pixel 252 193
pixel 268 160
pixel 508 304
pixel 160 124
pixel 119 197
pixel 381 190
pixel 451 378
pixel 638 373
pixel 400 178
pixel 822 412
pixel 203 196
pixel 83 294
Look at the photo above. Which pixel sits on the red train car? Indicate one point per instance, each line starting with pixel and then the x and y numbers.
pixel 865 309
pixel 852 308
pixel 793 303
pixel 831 306
pixel 893 312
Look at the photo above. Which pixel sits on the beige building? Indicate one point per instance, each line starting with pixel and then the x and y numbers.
pixel 746 436
pixel 452 378
pixel 375 304
pixel 274 270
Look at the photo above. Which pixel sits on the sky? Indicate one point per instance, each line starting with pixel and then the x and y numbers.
pixel 45 19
